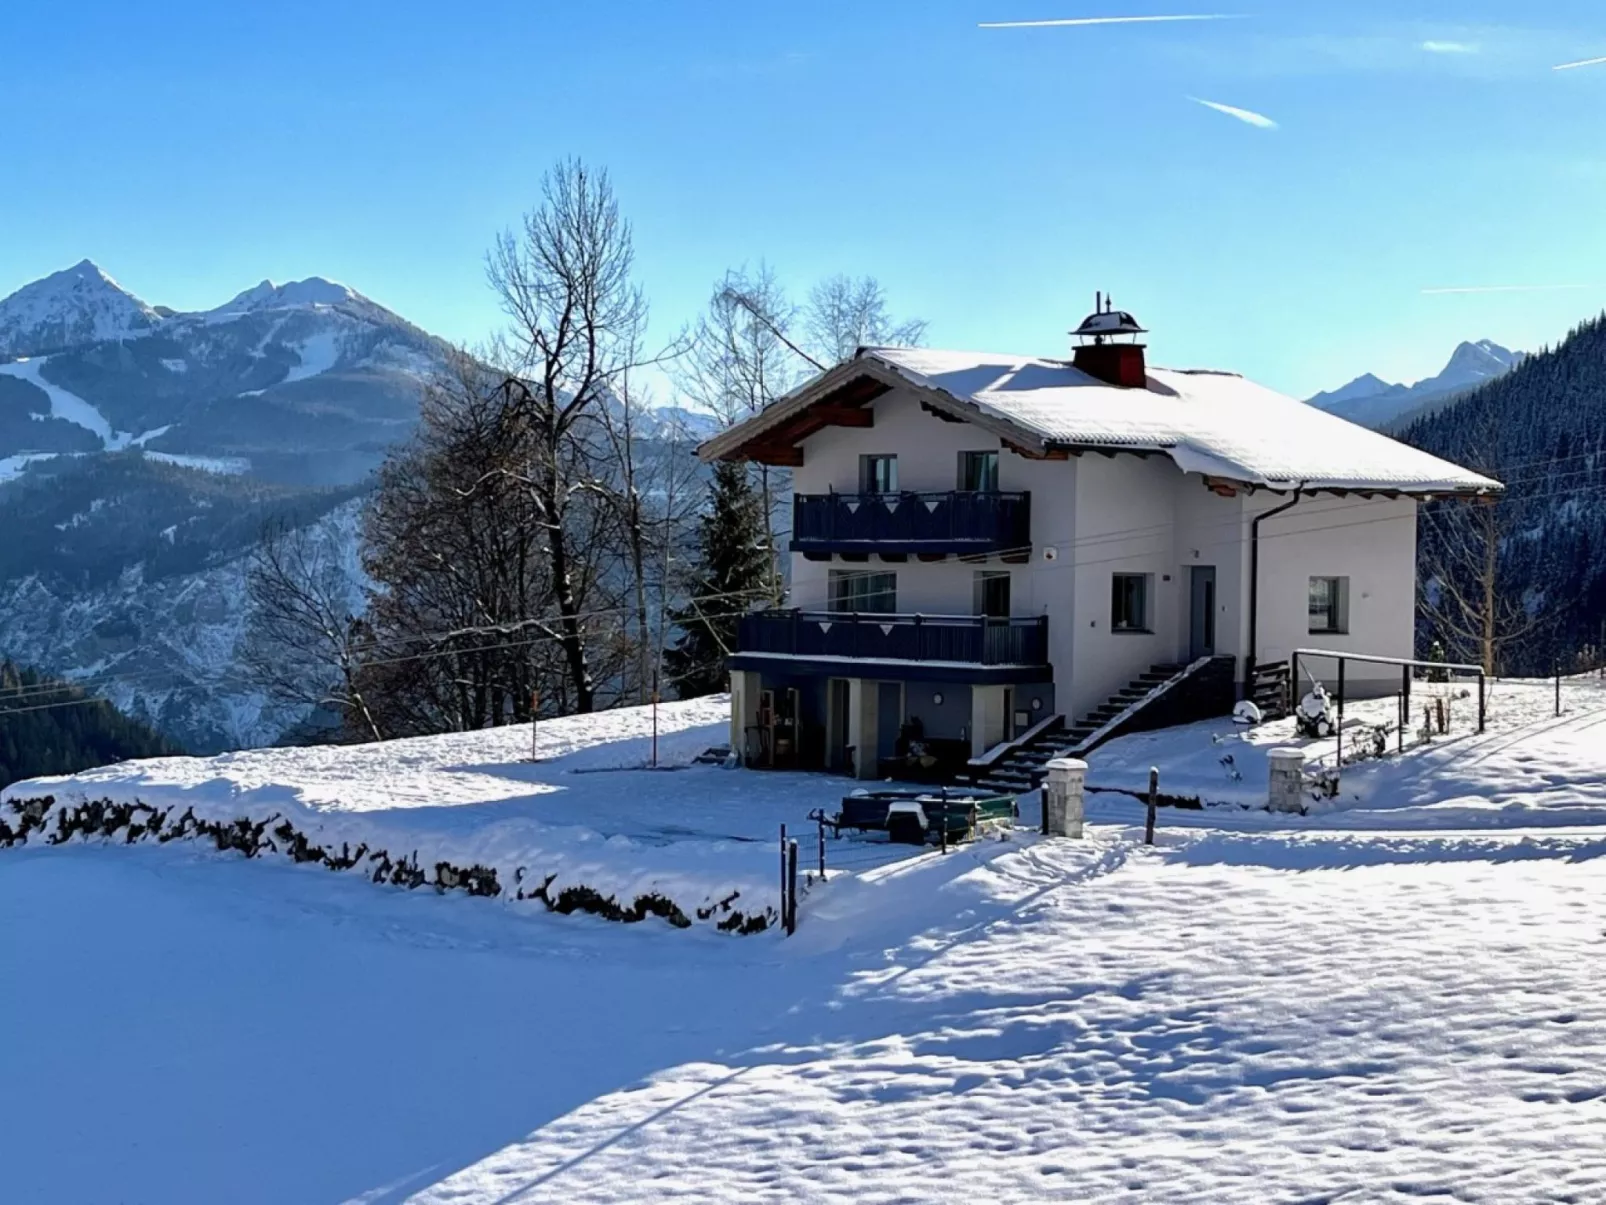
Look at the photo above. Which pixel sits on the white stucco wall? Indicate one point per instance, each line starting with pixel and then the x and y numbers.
pixel 1373 545
pixel 1103 516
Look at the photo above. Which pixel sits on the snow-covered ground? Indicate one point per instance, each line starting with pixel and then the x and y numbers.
pixel 1362 1005
pixel 591 813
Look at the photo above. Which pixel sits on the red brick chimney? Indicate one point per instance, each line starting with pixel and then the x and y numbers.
pixel 1102 356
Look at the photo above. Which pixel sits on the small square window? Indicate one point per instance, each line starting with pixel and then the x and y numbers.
pixel 1129 602
pixel 878 474
pixel 991 593
pixel 1329 605
pixel 978 472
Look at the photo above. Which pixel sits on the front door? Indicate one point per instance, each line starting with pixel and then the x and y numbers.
pixel 889 718
pixel 836 725
pixel 1202 612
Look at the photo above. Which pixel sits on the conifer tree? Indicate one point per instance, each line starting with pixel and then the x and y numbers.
pixel 733 571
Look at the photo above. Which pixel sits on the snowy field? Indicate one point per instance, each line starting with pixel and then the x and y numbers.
pixel 1402 998
pixel 589 814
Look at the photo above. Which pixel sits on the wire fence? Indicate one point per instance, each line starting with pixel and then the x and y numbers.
pixel 1396 705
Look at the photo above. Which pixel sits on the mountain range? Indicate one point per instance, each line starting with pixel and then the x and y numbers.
pixel 1374 402
pixel 142 449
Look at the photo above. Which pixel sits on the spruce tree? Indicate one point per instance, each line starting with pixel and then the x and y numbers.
pixel 733 570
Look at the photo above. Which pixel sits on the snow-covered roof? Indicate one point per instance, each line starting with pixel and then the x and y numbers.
pixel 1214 423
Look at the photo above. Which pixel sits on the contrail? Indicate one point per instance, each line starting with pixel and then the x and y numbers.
pixel 1109 20
pixel 1259 120
pixel 1579 63
pixel 1505 289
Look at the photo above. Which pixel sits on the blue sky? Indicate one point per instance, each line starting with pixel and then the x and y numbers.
pixel 993 179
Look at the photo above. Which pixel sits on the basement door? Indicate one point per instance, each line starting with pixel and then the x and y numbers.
pixel 1202 612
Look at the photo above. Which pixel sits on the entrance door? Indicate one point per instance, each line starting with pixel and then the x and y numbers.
pixel 836 725
pixel 1202 612
pixel 889 718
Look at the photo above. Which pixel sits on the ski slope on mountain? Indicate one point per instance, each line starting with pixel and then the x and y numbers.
pixel 66 405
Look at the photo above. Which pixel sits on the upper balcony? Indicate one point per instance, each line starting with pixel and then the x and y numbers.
pixel 940 523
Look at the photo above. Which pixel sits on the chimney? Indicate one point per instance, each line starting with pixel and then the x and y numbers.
pixel 1103 355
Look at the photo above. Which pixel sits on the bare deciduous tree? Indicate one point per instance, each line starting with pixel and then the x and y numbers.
pixel 845 313
pixel 576 321
pixel 306 644
pixel 1461 596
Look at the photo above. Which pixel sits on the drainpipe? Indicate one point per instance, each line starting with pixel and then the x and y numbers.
pixel 1254 586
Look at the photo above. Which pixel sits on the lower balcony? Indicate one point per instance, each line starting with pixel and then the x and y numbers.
pixel 963 648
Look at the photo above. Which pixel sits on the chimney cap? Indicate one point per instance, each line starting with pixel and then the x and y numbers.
pixel 1106 322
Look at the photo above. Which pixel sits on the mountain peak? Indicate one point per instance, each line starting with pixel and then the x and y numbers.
pixel 1373 402
pixel 76 305
pixel 312 293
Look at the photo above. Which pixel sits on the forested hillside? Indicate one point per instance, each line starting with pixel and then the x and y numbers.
pixel 1542 431
pixel 47 727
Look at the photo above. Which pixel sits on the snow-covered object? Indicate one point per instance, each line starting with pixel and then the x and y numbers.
pixel 1247 712
pixel 77 305
pixel 695 837
pixel 1214 423
pixel 1314 714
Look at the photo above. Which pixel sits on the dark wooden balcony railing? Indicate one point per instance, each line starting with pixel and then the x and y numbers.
pixel 953 521
pixel 968 639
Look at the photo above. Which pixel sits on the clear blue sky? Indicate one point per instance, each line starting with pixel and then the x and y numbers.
pixel 993 179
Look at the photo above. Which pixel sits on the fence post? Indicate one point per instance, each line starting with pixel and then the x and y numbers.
pixel 654 719
pixel 1154 792
pixel 1480 703
pixel 822 844
pixel 1339 761
pixel 1405 703
pixel 1285 787
pixel 1063 808
pixel 1558 688
pixel 535 711
pixel 791 888
pixel 785 906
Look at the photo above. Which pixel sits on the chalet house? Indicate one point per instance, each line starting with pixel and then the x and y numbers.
pixel 984 545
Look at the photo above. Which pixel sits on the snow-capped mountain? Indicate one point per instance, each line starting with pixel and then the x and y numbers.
pixel 141 451
pixel 1374 402
pixel 75 306
pixel 307 382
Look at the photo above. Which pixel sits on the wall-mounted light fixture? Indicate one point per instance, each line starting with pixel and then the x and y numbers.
pixel 936 698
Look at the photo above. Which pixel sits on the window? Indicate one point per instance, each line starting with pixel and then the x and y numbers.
pixel 1329 605
pixel 978 472
pixel 864 590
pixel 1129 602
pixel 991 592
pixel 878 474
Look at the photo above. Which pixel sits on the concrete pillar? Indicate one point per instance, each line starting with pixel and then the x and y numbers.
pixel 1062 797
pixel 1286 791
pixel 745 687
pixel 863 695
pixel 986 718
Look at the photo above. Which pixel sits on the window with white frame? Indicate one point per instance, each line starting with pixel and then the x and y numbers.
pixel 1129 602
pixel 864 590
pixel 1329 605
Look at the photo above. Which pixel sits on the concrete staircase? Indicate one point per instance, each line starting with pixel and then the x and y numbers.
pixel 1022 768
